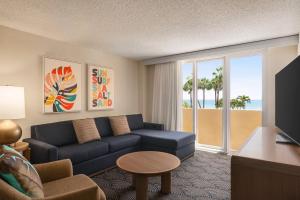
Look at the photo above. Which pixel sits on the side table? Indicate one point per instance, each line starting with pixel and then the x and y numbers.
pixel 23 148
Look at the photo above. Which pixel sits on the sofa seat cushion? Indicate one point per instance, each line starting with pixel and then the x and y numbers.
pixel 169 139
pixel 117 143
pixel 82 152
pixel 75 187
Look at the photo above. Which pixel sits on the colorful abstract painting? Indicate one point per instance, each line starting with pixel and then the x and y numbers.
pixel 100 88
pixel 62 85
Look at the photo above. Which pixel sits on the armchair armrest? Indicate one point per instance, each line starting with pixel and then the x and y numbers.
pixel 41 152
pixel 83 188
pixel 154 126
pixel 9 192
pixel 54 170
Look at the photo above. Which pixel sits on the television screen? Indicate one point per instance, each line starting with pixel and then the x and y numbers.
pixel 287 100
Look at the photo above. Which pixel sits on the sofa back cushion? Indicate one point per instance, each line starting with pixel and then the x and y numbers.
pixel 57 134
pixel 135 121
pixel 103 126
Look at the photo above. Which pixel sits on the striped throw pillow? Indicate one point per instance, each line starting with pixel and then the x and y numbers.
pixel 119 125
pixel 86 130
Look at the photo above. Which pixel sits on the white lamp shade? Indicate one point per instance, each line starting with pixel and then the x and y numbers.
pixel 12 103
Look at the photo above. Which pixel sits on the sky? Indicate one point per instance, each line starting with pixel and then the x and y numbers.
pixel 245 76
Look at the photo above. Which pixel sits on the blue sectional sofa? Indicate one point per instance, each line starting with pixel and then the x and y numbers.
pixel 55 141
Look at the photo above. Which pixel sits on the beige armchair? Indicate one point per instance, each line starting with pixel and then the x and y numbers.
pixel 58 184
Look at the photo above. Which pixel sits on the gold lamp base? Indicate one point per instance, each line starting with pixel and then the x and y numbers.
pixel 10 132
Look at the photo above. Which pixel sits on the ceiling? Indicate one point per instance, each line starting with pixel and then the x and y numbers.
pixel 142 29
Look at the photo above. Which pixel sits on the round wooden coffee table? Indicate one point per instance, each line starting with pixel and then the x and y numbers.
pixel 145 164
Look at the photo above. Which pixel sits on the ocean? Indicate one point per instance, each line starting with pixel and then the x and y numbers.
pixel 210 103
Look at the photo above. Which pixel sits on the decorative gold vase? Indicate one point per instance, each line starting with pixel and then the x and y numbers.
pixel 10 132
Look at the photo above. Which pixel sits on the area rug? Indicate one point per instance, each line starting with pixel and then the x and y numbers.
pixel 203 176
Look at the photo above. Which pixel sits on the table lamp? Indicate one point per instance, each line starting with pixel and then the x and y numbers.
pixel 12 106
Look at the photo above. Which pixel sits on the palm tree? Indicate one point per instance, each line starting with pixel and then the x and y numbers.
pixel 240 102
pixel 188 87
pixel 244 99
pixel 234 103
pixel 204 84
pixel 185 104
pixel 217 84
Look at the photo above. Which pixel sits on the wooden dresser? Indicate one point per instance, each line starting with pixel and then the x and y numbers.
pixel 265 170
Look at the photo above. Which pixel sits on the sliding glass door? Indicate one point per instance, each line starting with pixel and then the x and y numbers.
pixel 245 97
pixel 187 122
pixel 209 103
pixel 222 109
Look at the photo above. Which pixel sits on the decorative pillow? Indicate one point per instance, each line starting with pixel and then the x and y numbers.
pixel 119 125
pixel 19 173
pixel 86 130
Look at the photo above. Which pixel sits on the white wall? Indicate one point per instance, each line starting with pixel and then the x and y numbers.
pixel 276 59
pixel 21 65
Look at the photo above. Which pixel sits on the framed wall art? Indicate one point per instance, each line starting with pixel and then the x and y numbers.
pixel 100 88
pixel 62 86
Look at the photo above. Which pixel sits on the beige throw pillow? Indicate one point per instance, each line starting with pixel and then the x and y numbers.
pixel 86 130
pixel 119 125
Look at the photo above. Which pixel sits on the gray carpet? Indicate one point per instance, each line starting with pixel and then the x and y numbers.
pixel 204 176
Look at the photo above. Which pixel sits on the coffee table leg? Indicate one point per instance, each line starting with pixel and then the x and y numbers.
pixel 141 186
pixel 166 183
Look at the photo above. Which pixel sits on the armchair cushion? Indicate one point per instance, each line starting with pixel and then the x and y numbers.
pixel 75 187
pixel 19 173
pixel 55 170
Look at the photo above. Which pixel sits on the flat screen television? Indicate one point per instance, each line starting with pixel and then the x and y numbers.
pixel 287 101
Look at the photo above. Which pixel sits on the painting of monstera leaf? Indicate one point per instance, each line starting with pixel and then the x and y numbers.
pixel 62 84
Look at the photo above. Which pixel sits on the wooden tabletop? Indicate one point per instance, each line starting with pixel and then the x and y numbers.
pixel 21 146
pixel 262 146
pixel 148 162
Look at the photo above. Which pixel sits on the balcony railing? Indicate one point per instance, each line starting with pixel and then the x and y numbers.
pixel 209 128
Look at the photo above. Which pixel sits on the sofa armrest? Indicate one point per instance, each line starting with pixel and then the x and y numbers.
pixel 41 152
pixel 54 170
pixel 154 126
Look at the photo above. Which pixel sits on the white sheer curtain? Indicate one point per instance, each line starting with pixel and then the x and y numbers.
pixel 165 95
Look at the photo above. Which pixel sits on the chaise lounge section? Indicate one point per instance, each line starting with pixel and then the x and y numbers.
pixel 56 141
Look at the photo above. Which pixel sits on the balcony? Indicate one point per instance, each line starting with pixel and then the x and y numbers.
pixel 209 131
